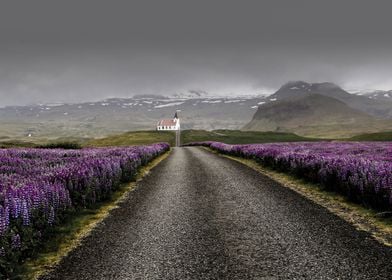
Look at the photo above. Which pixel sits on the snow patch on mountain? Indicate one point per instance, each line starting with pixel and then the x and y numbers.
pixel 168 105
pixel 212 101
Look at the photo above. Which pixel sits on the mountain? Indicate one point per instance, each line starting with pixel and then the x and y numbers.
pixel 383 95
pixel 192 93
pixel 295 89
pixel 115 115
pixel 199 110
pixel 379 108
pixel 311 114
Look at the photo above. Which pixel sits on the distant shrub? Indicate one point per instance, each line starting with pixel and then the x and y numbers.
pixel 60 145
pixel 16 144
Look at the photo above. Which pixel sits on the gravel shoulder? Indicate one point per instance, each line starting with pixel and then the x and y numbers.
pixel 201 216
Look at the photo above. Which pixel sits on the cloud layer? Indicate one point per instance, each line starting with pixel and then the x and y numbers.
pixel 87 50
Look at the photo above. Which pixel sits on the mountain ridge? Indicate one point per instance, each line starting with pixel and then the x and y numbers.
pixel 199 110
pixel 296 89
pixel 319 110
pixel 117 115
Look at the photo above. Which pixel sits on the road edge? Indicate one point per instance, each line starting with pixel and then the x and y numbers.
pixel 46 262
pixel 361 218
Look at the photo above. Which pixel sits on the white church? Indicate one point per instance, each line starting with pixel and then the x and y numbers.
pixel 169 124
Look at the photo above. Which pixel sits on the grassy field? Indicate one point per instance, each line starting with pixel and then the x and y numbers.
pixel 148 137
pixel 227 136
pixel 380 136
pixel 133 138
pixel 239 137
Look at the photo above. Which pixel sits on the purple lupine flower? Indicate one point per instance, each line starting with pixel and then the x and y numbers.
pixel 51 216
pixel 2 252
pixel 4 219
pixel 361 170
pixel 38 183
pixel 25 213
pixel 16 242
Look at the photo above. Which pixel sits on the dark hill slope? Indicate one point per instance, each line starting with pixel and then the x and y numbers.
pixel 297 89
pixel 314 115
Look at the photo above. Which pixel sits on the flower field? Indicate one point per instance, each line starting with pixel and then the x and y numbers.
pixel 362 171
pixel 38 186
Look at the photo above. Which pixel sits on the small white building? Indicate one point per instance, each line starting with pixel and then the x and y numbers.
pixel 169 124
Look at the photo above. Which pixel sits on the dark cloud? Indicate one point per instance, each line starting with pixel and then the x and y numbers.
pixel 83 50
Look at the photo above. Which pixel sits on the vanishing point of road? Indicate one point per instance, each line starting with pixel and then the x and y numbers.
pixel 198 215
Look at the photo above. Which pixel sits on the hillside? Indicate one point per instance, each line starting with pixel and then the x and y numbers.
pixel 379 136
pixel 133 138
pixel 226 136
pixel 314 115
pixel 383 95
pixel 118 115
pixel 239 137
pixel 368 103
pixel 199 111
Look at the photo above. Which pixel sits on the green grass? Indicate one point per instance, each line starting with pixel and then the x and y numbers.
pixel 60 145
pixel 226 136
pixel 148 137
pixel 61 142
pixel 380 136
pixel 239 137
pixel 134 138
pixel 16 144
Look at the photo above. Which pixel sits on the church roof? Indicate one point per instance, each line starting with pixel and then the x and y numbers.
pixel 167 123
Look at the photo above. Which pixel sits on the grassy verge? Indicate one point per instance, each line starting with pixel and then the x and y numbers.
pixel 148 137
pixel 360 217
pixel 380 136
pixel 239 137
pixel 134 138
pixel 70 234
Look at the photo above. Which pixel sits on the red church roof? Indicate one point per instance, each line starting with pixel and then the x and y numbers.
pixel 167 123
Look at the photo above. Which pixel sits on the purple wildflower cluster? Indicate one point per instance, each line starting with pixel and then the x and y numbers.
pixel 362 171
pixel 37 186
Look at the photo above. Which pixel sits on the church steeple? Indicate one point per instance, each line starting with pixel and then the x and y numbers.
pixel 176 116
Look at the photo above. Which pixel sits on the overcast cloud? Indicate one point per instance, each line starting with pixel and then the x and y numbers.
pixel 69 51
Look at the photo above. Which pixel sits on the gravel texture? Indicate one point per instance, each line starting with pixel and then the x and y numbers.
pixel 201 216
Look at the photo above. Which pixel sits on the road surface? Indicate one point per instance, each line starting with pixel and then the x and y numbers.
pixel 201 216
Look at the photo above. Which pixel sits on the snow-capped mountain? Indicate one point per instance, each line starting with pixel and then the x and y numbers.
pixel 383 95
pixel 321 110
pixel 198 110
pixel 377 107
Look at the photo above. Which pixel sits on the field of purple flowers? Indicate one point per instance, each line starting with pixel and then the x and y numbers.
pixel 362 171
pixel 38 186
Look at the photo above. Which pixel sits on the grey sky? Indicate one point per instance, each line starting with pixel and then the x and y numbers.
pixel 67 51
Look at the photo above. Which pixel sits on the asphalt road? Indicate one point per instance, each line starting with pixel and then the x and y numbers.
pixel 201 216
